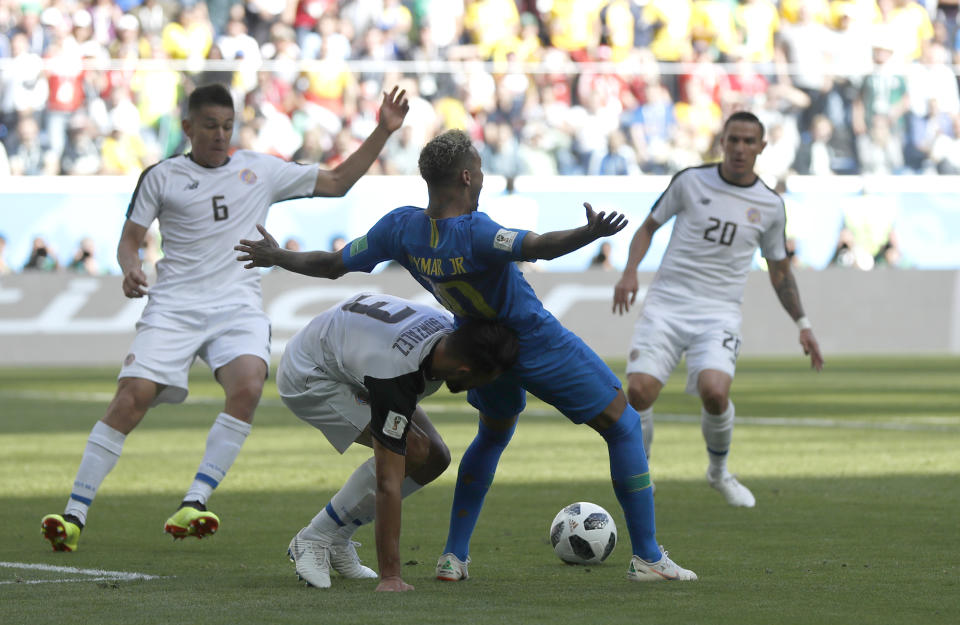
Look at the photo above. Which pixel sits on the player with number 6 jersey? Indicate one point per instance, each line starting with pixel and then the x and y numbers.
pixel 723 214
pixel 218 205
pixel 201 304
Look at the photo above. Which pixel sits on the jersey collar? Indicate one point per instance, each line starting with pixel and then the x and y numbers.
pixel 735 184
pixel 189 155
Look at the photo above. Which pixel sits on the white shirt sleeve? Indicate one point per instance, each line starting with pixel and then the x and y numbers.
pixel 773 240
pixel 147 198
pixel 292 180
pixel 670 201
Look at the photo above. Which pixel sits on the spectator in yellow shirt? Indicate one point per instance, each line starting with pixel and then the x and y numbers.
pixel 757 22
pixel 671 41
pixel 573 26
pixel 911 23
pixel 190 36
pixel 489 22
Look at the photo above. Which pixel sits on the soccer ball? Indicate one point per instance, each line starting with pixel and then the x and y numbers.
pixel 583 533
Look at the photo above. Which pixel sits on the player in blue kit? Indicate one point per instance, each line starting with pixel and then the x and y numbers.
pixel 467 261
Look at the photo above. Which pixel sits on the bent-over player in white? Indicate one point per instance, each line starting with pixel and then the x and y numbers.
pixel 357 372
pixel 723 213
pixel 202 303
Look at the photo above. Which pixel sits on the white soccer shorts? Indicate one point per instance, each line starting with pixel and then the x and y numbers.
pixel 661 338
pixel 336 408
pixel 167 343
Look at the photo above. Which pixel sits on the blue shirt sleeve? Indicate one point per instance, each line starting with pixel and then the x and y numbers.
pixel 492 243
pixel 366 252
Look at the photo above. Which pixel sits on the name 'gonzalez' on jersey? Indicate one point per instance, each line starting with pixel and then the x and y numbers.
pixel 718 229
pixel 203 212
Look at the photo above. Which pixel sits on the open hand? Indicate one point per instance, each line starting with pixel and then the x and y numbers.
pixel 603 225
pixel 260 253
pixel 393 109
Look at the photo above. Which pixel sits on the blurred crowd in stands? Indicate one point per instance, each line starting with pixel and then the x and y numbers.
pixel 544 86
pixel 600 87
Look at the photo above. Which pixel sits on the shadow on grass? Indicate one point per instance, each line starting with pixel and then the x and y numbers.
pixel 813 551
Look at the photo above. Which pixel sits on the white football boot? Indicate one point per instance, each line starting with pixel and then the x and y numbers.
pixel 732 490
pixel 663 570
pixel 312 560
pixel 451 569
pixel 346 562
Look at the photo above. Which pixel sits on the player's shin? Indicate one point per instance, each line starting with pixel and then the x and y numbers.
pixel 474 477
pixel 103 449
pixel 646 423
pixel 224 442
pixel 717 434
pixel 353 506
pixel 631 482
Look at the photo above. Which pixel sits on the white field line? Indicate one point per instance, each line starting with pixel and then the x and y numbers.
pixel 918 424
pixel 93 575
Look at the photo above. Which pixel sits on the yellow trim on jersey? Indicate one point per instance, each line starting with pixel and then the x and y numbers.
pixel 434 233
pixel 445 290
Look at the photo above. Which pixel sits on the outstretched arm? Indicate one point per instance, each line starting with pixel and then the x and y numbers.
pixel 267 253
pixel 785 286
pixel 550 245
pixel 337 181
pixel 390 467
pixel 625 291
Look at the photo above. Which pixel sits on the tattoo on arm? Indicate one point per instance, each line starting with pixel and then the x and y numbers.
pixel 785 286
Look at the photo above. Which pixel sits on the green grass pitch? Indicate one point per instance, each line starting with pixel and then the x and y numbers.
pixel 856 472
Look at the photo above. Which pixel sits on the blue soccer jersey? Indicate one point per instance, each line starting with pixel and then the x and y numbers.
pixel 467 262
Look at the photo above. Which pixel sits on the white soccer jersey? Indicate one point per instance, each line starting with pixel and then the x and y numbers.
pixel 376 344
pixel 203 212
pixel 718 229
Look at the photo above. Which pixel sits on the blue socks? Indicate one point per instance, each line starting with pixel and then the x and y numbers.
pixel 477 468
pixel 628 470
pixel 631 483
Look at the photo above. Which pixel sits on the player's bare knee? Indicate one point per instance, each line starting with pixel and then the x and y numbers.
pixel 428 458
pixel 640 396
pixel 129 405
pixel 243 398
pixel 439 456
pixel 438 459
pixel 714 400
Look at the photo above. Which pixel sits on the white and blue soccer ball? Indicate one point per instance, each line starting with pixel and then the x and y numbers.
pixel 583 533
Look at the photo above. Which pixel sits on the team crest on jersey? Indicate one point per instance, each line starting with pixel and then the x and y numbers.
pixel 247 176
pixel 504 239
pixel 753 215
pixel 395 425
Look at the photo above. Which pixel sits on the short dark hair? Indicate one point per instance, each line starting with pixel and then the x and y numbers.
pixel 215 94
pixel 744 116
pixel 485 345
pixel 444 157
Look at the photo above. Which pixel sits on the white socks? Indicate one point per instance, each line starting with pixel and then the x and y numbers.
pixel 646 424
pixel 355 504
pixel 717 433
pixel 103 449
pixel 224 441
